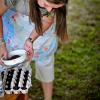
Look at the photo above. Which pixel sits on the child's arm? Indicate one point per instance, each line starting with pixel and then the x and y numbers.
pixel 3 50
pixel 3 8
pixel 46 23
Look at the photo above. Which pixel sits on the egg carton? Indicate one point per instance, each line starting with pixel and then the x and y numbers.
pixel 17 80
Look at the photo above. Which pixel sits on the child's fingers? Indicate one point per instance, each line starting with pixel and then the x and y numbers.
pixel 1 62
pixel 30 54
pixel 3 56
pixel 30 57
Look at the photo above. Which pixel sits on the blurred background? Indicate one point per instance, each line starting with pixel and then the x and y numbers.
pixel 77 62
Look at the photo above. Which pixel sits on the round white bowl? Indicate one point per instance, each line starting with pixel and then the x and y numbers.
pixel 22 57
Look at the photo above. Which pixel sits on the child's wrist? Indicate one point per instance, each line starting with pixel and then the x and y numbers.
pixel 30 39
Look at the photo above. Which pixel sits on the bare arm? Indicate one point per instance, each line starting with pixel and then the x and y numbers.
pixel 1 27
pixel 46 23
pixel 3 9
pixel 3 50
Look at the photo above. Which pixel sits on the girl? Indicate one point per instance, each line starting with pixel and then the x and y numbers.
pixel 34 25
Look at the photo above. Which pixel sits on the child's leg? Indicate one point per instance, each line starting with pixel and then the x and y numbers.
pixel 9 97
pixel 22 97
pixel 45 74
pixel 47 90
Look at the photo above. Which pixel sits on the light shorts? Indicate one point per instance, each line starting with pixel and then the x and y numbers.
pixel 45 69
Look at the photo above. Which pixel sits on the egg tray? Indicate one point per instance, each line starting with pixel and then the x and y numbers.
pixel 17 80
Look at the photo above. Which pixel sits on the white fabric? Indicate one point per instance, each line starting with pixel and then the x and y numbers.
pixel 45 71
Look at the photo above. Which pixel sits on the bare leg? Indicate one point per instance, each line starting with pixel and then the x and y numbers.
pixel 23 97
pixel 9 97
pixel 47 90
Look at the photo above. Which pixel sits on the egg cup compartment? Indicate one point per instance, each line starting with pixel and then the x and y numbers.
pixel 17 80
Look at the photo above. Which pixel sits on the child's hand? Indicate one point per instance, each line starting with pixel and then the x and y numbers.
pixel 29 49
pixel 3 52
